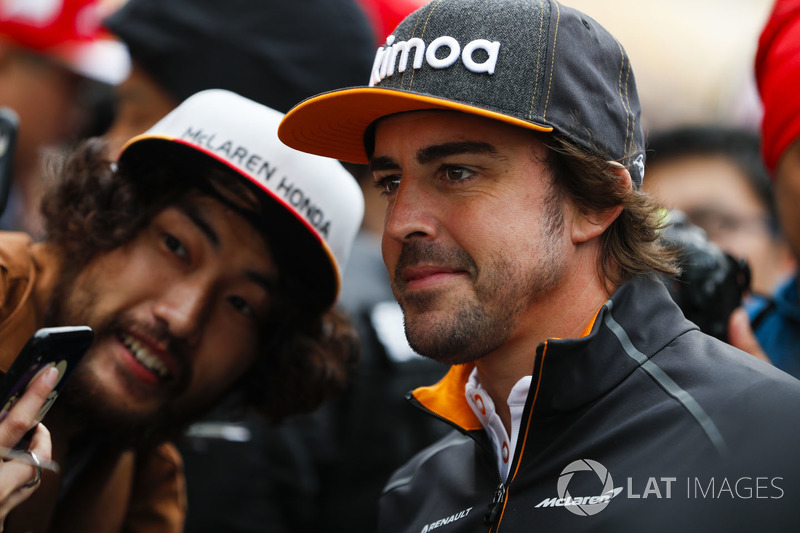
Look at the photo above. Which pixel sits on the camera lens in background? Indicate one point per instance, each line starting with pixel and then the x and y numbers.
pixel 712 282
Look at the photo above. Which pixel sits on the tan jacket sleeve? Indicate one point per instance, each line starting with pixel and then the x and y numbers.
pixel 17 278
pixel 27 275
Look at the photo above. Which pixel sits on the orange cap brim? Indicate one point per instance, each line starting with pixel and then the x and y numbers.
pixel 333 124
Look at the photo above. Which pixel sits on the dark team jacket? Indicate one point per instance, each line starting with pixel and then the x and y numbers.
pixel 643 424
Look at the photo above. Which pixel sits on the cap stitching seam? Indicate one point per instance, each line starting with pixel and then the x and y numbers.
pixel 552 61
pixel 538 61
pixel 424 27
pixel 622 98
pixel 631 134
pixel 403 77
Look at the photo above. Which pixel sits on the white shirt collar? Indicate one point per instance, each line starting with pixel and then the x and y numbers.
pixel 483 407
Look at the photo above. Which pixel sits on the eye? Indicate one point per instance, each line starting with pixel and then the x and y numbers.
pixel 242 306
pixel 175 246
pixel 387 184
pixel 454 173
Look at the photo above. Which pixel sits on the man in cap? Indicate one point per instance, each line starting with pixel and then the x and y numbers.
pixel 206 259
pixel 776 321
pixel 506 137
pixel 55 57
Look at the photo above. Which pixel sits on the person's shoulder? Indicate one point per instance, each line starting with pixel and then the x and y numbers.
pixel 448 452
pixel 15 248
pixel 767 384
pixel 723 377
pixel 752 370
pixel 19 252
pixel 739 390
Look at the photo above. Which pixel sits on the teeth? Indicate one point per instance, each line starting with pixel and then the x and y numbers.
pixel 143 355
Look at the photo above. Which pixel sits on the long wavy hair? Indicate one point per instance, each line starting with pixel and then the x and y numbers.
pixel 308 352
pixel 630 245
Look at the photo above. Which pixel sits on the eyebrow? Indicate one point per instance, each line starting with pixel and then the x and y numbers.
pixel 434 152
pixel 438 151
pixel 382 163
pixel 267 282
pixel 194 214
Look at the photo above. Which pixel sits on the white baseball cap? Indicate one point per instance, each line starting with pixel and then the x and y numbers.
pixel 318 205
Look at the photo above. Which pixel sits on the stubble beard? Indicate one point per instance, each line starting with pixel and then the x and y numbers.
pixel 84 399
pixel 483 323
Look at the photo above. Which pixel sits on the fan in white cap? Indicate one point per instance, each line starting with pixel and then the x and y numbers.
pixel 318 203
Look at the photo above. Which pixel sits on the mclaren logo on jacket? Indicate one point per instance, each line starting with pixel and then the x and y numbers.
pixel 583 505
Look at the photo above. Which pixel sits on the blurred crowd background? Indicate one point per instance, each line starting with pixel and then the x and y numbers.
pixel 694 65
pixel 693 59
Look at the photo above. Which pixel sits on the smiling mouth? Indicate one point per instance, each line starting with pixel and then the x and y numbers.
pixel 144 356
pixel 428 274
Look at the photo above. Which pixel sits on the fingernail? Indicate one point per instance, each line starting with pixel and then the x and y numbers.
pixel 50 376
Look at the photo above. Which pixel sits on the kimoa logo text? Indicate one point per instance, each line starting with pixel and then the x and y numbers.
pixel 260 168
pixel 442 52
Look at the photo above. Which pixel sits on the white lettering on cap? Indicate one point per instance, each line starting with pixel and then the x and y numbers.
pixel 386 57
pixel 492 48
pixel 436 44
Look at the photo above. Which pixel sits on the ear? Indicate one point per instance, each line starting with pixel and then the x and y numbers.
pixel 587 226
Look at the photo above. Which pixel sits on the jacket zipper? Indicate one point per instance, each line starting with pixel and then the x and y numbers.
pixel 493 512
pixel 495 509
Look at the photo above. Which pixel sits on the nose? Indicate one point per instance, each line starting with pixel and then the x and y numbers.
pixel 410 214
pixel 183 307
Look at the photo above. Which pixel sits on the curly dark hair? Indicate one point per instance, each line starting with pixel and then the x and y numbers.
pixel 309 351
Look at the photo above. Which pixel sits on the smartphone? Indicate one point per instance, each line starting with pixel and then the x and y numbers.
pixel 9 124
pixel 61 347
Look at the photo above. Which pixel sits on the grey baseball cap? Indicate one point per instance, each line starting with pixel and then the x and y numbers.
pixel 532 63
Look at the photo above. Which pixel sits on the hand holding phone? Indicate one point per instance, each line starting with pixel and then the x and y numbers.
pixel 21 471
pixel 62 348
